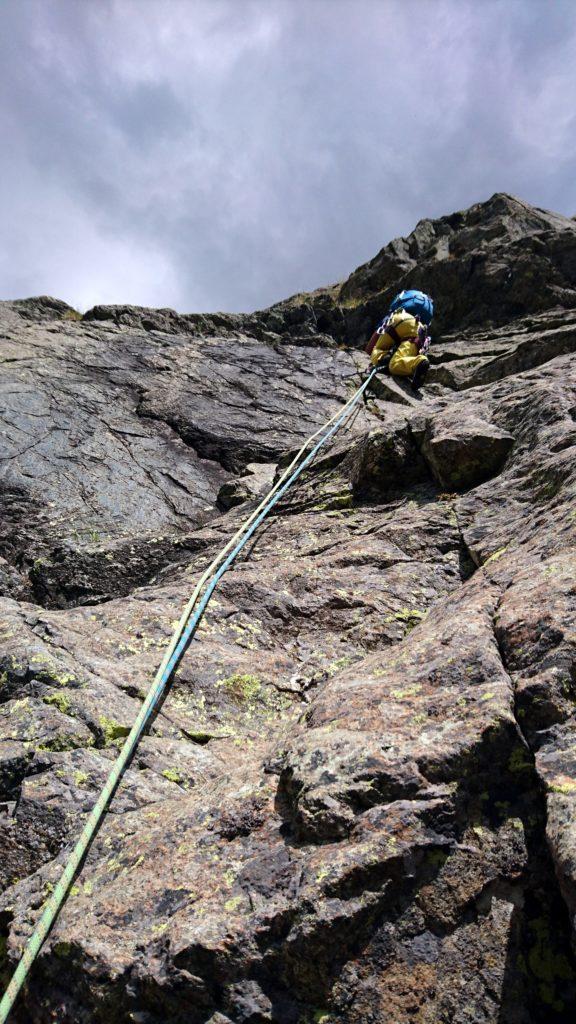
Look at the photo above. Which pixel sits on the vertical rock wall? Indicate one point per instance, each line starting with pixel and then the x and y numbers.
pixel 357 803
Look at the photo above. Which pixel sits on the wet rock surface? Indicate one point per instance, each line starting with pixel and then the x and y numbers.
pixel 357 802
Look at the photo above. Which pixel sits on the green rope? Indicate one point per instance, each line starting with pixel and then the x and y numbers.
pixel 177 647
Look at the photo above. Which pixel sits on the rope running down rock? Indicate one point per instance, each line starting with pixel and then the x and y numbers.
pixel 179 643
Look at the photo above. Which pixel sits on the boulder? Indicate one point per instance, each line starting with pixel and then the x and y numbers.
pixel 464 450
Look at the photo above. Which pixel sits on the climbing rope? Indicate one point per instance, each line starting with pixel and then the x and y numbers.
pixel 179 643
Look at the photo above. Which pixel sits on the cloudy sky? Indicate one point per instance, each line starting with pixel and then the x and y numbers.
pixel 223 154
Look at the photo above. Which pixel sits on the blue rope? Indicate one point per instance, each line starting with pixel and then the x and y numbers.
pixel 192 626
pixel 59 895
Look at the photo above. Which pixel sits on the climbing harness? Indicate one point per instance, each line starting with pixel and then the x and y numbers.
pixel 179 643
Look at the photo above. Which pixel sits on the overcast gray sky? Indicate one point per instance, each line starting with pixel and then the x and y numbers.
pixel 223 154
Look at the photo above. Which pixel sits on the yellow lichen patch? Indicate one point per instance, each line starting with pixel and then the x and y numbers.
pixel 60 743
pixel 253 701
pixel 518 761
pixel 420 718
pixel 60 701
pixel 241 687
pixel 562 784
pixel 496 555
pixel 19 706
pixel 112 731
pixel 232 904
pixel 229 878
pixel 410 617
pixel 339 664
pixel 410 691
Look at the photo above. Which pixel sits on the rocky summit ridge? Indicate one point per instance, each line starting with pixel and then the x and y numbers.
pixel 357 803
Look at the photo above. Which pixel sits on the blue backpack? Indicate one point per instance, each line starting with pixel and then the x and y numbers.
pixel 417 303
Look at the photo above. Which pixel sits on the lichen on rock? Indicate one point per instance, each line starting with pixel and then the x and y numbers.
pixel 357 801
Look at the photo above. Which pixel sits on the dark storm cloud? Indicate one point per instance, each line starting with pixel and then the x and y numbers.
pixel 224 154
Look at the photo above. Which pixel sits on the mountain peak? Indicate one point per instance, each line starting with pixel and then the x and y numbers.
pixel 498 258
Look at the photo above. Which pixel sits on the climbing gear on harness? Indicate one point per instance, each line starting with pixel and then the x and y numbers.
pixel 423 340
pixel 385 327
pixel 183 635
pixel 415 302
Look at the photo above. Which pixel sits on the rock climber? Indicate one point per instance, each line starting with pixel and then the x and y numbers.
pixel 400 343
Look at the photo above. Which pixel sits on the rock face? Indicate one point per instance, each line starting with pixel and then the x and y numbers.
pixel 357 802
pixel 462 452
pixel 494 262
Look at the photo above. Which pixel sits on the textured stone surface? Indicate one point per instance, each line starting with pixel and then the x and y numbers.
pixel 115 443
pixel 487 265
pixel 357 802
pixel 464 451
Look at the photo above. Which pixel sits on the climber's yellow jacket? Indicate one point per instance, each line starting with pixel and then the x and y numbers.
pixel 407 356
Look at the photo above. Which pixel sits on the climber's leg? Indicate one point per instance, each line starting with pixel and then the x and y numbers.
pixel 420 373
pixel 405 360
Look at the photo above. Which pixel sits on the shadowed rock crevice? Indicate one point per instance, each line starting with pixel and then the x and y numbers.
pixel 466 561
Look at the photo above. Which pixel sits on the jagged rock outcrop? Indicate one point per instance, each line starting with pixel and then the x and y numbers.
pixel 464 451
pixel 496 261
pixel 358 800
